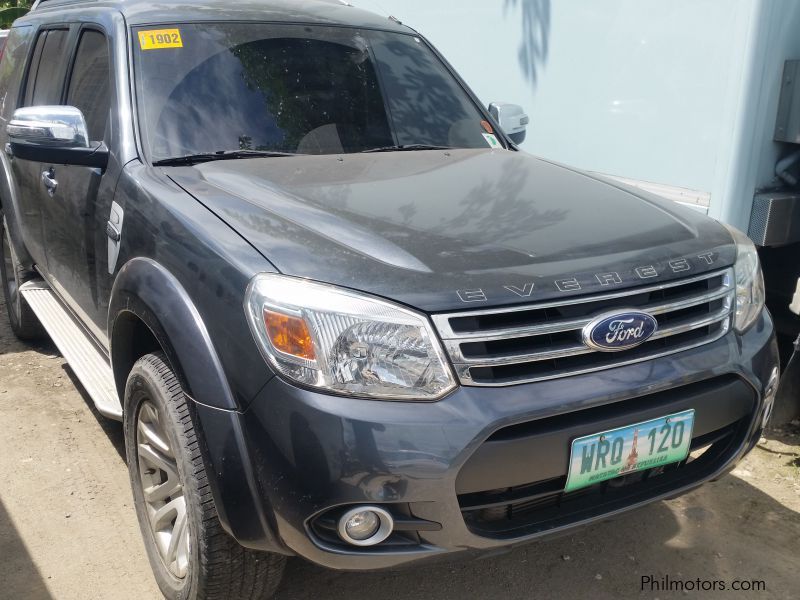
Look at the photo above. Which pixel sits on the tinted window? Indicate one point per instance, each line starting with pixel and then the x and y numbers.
pixel 49 80
pixel 89 85
pixel 35 59
pixel 11 68
pixel 312 90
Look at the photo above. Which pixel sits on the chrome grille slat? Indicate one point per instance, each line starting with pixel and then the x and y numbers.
pixel 574 350
pixel 708 308
pixel 521 331
pixel 692 325
pixel 673 306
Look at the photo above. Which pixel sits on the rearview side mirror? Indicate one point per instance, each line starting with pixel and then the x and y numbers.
pixel 512 120
pixel 54 134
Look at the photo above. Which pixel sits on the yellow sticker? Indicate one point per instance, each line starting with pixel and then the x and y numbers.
pixel 155 39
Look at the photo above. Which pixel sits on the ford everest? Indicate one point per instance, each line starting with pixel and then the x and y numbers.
pixel 339 313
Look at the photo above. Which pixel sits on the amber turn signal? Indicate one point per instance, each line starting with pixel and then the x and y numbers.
pixel 289 335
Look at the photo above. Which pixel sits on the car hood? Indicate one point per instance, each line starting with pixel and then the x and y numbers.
pixel 461 229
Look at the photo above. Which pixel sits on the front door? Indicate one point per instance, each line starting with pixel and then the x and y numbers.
pixel 77 199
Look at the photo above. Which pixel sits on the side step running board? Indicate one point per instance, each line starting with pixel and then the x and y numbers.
pixel 88 363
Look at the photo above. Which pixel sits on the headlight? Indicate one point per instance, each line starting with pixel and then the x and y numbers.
pixel 749 282
pixel 344 342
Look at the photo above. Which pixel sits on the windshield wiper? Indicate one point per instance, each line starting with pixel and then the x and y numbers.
pixel 407 148
pixel 193 159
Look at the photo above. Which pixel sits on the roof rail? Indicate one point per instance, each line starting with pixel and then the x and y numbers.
pixel 42 3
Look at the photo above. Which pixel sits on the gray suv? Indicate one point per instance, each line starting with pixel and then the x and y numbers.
pixel 339 313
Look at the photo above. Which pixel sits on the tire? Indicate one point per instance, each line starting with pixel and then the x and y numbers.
pixel 24 323
pixel 203 562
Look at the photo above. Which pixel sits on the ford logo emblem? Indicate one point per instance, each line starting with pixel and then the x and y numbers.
pixel 614 332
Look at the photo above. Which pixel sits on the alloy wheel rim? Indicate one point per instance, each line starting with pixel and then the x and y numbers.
pixel 163 491
pixel 12 275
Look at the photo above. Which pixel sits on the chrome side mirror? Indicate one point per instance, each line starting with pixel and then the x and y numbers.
pixel 512 120
pixel 54 135
pixel 62 126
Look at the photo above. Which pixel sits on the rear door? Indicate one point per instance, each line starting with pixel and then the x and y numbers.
pixel 44 84
pixel 74 222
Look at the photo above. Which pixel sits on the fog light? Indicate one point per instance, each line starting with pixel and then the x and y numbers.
pixel 365 526
pixel 362 525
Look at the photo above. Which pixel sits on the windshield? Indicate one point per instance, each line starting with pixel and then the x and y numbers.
pixel 224 87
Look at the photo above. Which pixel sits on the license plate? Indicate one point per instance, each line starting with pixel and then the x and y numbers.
pixel 609 454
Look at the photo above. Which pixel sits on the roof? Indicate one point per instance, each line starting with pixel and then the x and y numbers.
pixel 138 12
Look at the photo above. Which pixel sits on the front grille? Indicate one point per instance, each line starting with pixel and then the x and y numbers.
pixel 541 506
pixel 507 346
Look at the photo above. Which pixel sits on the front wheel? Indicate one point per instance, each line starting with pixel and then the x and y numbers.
pixel 192 557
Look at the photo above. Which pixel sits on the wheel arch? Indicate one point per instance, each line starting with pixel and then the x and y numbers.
pixel 132 339
pixel 149 311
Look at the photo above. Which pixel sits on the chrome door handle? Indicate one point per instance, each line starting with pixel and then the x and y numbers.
pixel 49 181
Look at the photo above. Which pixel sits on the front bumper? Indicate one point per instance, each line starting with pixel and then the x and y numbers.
pixel 296 454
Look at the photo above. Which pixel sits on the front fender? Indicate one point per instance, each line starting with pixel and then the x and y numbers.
pixel 147 290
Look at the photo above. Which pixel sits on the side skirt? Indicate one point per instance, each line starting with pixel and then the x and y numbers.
pixel 90 365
